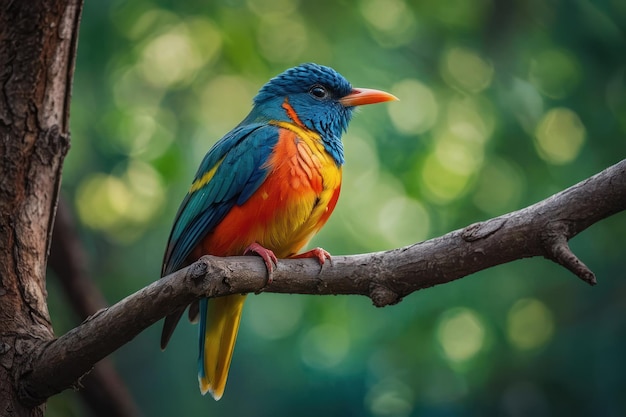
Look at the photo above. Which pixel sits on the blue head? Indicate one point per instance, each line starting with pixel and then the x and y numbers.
pixel 322 100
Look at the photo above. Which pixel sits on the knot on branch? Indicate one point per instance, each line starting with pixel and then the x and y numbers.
pixel 198 270
pixel 211 275
pixel 382 296
pixel 482 230
pixel 555 240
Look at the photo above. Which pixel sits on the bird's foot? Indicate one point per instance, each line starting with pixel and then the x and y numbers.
pixel 268 257
pixel 318 253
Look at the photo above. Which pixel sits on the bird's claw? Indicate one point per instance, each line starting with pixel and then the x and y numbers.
pixel 268 257
pixel 318 253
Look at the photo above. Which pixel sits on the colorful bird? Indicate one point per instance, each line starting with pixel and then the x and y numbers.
pixel 265 188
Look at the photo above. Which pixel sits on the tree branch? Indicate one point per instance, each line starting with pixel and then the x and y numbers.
pixel 542 229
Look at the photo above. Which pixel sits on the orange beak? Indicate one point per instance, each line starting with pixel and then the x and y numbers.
pixel 361 96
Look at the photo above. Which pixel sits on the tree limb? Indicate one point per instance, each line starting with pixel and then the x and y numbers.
pixel 542 229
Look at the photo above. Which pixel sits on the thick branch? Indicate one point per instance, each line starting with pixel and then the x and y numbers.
pixel 386 277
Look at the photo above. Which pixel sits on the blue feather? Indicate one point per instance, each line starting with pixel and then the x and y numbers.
pixel 326 116
pixel 237 177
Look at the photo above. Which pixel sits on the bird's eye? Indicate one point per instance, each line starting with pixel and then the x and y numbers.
pixel 319 92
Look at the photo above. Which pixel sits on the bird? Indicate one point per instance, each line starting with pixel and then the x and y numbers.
pixel 264 189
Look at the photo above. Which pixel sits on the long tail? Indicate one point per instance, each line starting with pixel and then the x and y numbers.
pixel 219 323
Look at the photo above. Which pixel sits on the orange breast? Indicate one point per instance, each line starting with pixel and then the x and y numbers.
pixel 291 205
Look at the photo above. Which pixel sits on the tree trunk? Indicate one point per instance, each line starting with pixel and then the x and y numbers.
pixel 37 50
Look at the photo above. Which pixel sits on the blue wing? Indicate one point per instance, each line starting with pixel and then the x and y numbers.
pixel 240 157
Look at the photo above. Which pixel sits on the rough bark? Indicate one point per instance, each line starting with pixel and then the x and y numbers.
pixel 37 49
pixel 542 229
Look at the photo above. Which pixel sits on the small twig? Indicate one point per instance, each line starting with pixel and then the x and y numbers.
pixel 558 250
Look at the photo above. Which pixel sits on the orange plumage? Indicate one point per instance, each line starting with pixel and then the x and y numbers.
pixel 294 202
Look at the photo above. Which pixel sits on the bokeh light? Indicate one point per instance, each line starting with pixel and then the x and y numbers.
pixel 224 101
pixel 325 346
pixel 499 187
pixel 401 220
pixel 442 184
pixel 560 136
pixel 390 398
pixel 530 324
pixel 470 118
pixel 461 334
pixel 465 69
pixel 419 110
pixel 170 58
pixel 457 155
pixel 144 133
pixel 392 22
pixel 121 206
pixel 391 219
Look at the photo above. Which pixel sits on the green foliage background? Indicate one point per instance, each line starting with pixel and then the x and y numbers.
pixel 502 104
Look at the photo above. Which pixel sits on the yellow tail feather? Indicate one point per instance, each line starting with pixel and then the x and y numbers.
pixel 222 323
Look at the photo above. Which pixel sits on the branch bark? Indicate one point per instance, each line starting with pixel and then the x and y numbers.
pixel 542 229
